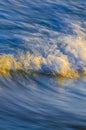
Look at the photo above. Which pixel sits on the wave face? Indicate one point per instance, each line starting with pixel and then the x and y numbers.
pixel 42 64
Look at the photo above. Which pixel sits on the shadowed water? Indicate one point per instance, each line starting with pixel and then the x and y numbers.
pixel 42 65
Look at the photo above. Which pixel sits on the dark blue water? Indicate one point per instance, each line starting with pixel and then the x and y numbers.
pixel 53 33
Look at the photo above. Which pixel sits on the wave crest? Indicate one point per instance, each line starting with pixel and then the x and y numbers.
pixel 26 63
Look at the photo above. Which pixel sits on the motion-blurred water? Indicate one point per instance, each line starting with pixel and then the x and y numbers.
pixel 42 65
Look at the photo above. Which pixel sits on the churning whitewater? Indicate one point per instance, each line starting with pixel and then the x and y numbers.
pixel 67 58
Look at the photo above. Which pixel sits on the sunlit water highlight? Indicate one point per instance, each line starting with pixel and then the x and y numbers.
pixel 42 65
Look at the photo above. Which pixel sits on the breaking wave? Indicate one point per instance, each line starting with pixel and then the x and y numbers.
pixel 66 58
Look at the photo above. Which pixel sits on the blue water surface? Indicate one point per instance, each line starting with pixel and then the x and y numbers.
pixel 40 101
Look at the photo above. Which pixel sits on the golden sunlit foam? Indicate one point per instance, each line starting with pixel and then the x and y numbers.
pixel 9 63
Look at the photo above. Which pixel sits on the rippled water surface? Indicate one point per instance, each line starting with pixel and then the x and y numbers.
pixel 42 65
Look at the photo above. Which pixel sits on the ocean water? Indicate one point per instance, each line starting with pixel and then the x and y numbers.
pixel 42 65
